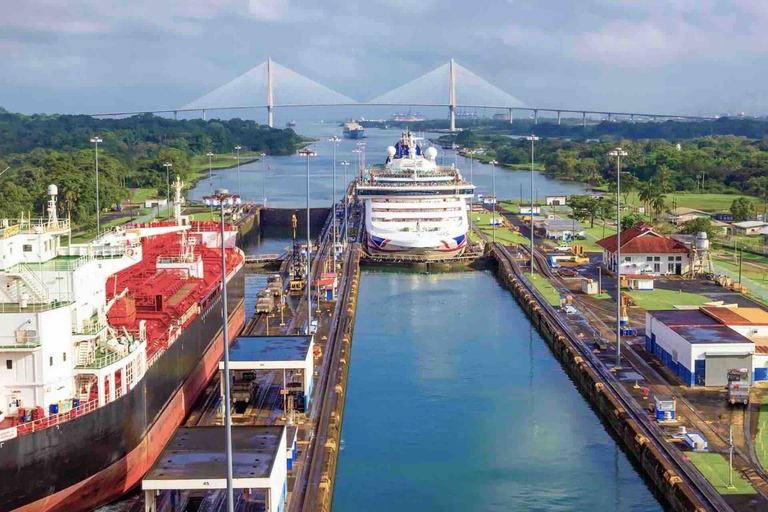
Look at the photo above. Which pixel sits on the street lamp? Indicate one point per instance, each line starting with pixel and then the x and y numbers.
pixel 210 176
pixel 335 141
pixel 493 217
pixel 223 198
pixel 239 192
pixel 96 141
pixel 357 151
pixel 264 179
pixel 167 166
pixel 471 180
pixel 345 164
pixel 306 152
pixel 533 140
pixel 618 153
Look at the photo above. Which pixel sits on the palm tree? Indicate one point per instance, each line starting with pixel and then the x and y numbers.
pixel 658 202
pixel 646 193
pixel 662 178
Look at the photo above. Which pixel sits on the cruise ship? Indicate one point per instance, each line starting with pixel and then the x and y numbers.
pixel 414 206
pixel 354 130
pixel 106 346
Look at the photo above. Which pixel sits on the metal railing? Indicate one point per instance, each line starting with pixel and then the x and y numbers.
pixel 49 421
pixel 20 340
pixel 91 326
pixel 15 307
pixel 32 225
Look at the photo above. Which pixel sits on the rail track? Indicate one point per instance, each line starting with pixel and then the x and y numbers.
pixel 703 490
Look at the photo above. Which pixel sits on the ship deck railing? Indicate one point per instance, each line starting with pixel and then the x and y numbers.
pixel 15 307
pixel 35 226
pixel 413 184
pixel 106 357
pixel 29 427
pixel 20 341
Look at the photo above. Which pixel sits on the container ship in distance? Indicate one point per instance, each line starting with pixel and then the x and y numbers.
pixel 105 347
pixel 354 130
pixel 414 206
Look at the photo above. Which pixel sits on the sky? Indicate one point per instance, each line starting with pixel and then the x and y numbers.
pixel 666 56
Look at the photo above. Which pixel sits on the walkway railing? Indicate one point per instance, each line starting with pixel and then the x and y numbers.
pixel 49 421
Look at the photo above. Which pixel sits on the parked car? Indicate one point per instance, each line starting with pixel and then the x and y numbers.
pixel 568 272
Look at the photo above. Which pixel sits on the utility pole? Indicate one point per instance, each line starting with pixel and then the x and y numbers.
pixel 334 140
pixel 168 166
pixel 308 153
pixel 345 164
pixel 96 141
pixel 618 153
pixel 239 192
pixel 264 179
pixel 533 140
pixel 210 176
pixel 493 217
pixel 472 180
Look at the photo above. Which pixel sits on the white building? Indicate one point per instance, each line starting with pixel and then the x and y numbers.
pixel 749 227
pixel 643 251
pixel 525 209
pixel 696 347
pixel 556 200
pixel 682 214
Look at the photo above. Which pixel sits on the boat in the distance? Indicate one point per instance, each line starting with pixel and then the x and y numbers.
pixel 106 345
pixel 290 124
pixel 354 130
pixel 414 206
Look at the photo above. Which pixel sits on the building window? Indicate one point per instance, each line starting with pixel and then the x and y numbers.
pixel 628 258
pixel 27 248
pixel 657 258
pixel 64 356
pixel 9 364
pixel 51 361
pixel 670 258
pixel 649 258
pixel 679 258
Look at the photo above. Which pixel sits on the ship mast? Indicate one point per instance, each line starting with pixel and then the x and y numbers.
pixel 177 186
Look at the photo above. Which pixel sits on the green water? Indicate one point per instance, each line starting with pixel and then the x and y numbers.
pixel 455 403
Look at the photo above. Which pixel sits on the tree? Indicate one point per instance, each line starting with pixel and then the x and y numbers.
pixel 584 207
pixel 695 226
pixel 658 202
pixel 606 210
pixel 646 193
pixel 629 220
pixel 742 209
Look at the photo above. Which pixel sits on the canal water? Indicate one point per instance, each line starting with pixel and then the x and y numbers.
pixel 282 179
pixel 456 403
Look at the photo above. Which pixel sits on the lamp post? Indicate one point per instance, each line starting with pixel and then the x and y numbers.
pixel 345 164
pixel 618 153
pixel 357 151
pixel 264 179
pixel 96 141
pixel 471 180
pixel 533 140
pixel 493 177
pixel 224 198
pixel 239 192
pixel 168 166
pixel 210 176
pixel 334 140
pixel 308 153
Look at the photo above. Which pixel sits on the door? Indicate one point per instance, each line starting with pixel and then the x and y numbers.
pixel 678 268
pixel 657 268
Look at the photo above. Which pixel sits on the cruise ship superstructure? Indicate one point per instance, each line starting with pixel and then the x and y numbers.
pixel 414 206
pixel 105 346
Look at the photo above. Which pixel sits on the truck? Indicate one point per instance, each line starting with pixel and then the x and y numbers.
pixel 264 301
pixel 738 386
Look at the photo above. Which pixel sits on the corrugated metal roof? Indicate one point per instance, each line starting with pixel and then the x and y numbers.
pixel 755 316
pixel 683 317
pixel 726 316
pixel 711 334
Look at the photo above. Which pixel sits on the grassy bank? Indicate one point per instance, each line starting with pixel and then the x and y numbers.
pixel 666 299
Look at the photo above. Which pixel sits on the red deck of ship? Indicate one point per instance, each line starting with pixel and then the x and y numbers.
pixel 163 298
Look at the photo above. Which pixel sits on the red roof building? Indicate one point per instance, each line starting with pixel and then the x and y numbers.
pixel 644 251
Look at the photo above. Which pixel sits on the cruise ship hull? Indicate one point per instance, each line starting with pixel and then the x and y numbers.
pixel 94 459
pixel 438 248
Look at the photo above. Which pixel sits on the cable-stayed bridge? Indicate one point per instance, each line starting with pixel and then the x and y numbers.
pixel 270 85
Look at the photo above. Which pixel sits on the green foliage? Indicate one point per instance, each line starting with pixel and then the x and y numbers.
pixel 584 207
pixel 743 209
pixel 630 219
pixel 695 226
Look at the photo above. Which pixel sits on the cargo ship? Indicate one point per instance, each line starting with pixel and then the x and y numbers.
pixel 414 206
pixel 105 347
pixel 354 130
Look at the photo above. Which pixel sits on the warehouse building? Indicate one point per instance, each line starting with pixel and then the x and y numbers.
pixel 701 345
pixel 695 346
